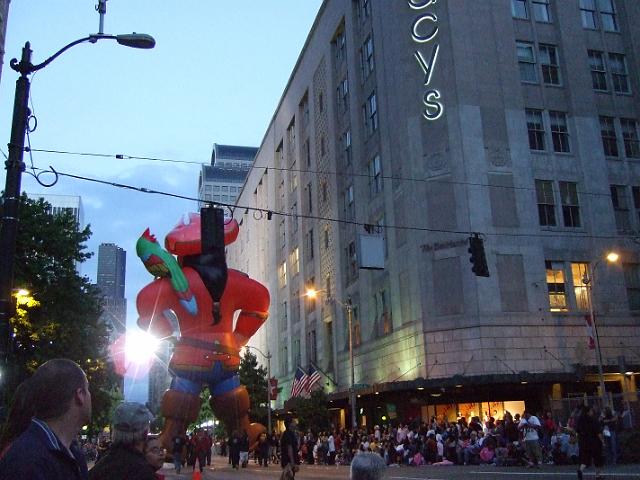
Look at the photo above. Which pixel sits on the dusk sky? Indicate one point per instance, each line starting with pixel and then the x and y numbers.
pixel 216 74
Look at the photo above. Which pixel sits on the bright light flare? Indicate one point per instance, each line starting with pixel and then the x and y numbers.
pixel 613 257
pixel 140 347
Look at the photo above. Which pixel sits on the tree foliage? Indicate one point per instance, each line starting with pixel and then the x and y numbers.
pixel 254 377
pixel 64 318
pixel 311 412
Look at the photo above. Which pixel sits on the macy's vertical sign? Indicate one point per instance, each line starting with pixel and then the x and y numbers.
pixel 424 31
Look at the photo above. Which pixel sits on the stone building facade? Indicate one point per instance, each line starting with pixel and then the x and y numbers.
pixel 425 121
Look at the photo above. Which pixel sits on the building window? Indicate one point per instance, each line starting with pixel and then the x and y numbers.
pixel 371 114
pixel 297 358
pixel 282 274
pixel 541 10
pixel 320 102
pixel 630 137
pixel 386 322
pixel 619 73
pixel 295 307
pixel 304 107
pixel 326 238
pixel 535 127
pixel 309 244
pixel 559 132
pixel 375 176
pixel 635 191
pixel 598 70
pixel 284 360
pixel 294 260
pixel 352 261
pixel 588 14
pixel 307 152
pixel 283 318
pixel 293 179
pixel 340 46
pixel 609 137
pixel 550 64
pixel 349 208
pixel 556 286
pixel 632 284
pixel 527 62
pixel 366 58
pixel 608 15
pixel 310 302
pixel 364 9
pixel 294 218
pixel 343 95
pixel 546 204
pixel 570 206
pixel 519 9
pixel 579 273
pixel 310 197
pixel 346 146
pixel 620 207
pixel 283 234
pixel 312 346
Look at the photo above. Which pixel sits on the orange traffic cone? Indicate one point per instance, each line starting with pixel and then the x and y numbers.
pixel 196 475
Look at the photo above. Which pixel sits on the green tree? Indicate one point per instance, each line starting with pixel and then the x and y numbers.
pixel 64 320
pixel 205 414
pixel 311 412
pixel 254 377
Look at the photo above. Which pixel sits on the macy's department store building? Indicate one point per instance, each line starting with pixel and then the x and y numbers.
pixel 410 125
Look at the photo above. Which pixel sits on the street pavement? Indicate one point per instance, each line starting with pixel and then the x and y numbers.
pixel 221 470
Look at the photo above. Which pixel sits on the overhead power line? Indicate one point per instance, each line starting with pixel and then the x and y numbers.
pixel 269 213
pixel 120 156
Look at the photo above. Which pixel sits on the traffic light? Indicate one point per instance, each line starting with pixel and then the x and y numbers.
pixel 478 257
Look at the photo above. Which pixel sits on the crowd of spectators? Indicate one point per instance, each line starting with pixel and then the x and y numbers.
pixel 514 440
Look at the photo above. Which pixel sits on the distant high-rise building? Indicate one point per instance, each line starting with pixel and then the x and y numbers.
pixel 62 203
pixel 111 279
pixel 159 379
pixel 221 181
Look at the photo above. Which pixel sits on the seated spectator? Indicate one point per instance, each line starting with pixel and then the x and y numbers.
pixel 573 450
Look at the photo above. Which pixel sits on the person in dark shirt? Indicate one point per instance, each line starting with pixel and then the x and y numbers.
pixel 60 403
pixel 177 447
pixel 126 460
pixel 289 446
pixel 589 441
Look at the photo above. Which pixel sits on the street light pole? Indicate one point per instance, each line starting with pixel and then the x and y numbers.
pixel 268 392
pixel 603 392
pixel 10 205
pixel 15 167
pixel 589 280
pixel 352 393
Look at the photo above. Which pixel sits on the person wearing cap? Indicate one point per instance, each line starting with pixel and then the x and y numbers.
pixel 126 459
pixel 57 404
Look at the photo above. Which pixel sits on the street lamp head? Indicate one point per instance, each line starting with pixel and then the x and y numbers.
pixel 612 257
pixel 311 293
pixel 136 40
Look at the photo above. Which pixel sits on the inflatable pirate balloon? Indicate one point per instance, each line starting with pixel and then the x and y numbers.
pixel 195 298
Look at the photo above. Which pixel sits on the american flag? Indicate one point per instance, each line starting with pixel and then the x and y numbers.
pixel 312 378
pixel 299 382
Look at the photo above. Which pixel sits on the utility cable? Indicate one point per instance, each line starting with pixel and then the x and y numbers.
pixel 120 156
pixel 269 213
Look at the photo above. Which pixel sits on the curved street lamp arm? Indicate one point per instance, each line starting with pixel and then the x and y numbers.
pixel 27 68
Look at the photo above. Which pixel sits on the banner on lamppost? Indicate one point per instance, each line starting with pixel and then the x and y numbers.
pixel 591 341
pixel 273 388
